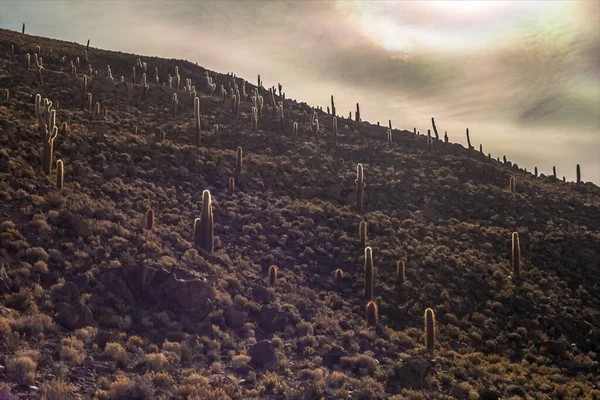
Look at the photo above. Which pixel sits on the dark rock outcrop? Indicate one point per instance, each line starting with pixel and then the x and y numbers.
pixel 263 354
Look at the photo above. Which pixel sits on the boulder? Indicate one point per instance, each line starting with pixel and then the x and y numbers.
pixel 234 319
pixel 413 371
pixel 273 320
pixel 557 347
pixel 263 354
pixel 74 316
pixel 70 291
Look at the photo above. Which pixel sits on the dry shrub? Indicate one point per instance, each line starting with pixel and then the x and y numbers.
pixel 21 369
pixel 57 390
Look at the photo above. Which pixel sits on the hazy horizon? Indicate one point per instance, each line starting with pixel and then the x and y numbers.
pixel 524 77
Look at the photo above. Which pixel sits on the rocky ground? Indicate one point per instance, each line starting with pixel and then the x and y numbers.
pixel 95 305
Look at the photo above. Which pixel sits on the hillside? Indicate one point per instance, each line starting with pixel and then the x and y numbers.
pixel 98 305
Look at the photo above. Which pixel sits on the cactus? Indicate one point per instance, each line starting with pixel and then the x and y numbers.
pixel 355 135
pixel 295 130
pixel 49 148
pixel 513 185
pixel 97 109
pixel 60 174
pixel 481 148
pixel 28 58
pixel 12 52
pixel 150 219
pixel 232 184
pixel 23 31
pixel 578 174
pixel 105 111
pixel 238 164
pixel 87 47
pixel 133 75
pixel 389 136
pixel 273 274
pixel 316 128
pixel 516 255
pixel 335 131
pixel 357 112
pixel 89 95
pixel 174 102
pixel 535 172
pixel 372 312
pixel 389 123
pixel 6 95
pixel 85 84
pixel 333 107
pixel 554 172
pixel 339 275
pixel 216 129
pixel 162 135
pixel 362 232
pixel 400 272
pixel 135 129
pixel 369 274
pixel 437 137
pixel 429 329
pixel 469 141
pixel 208 225
pixel 198 126
pixel 360 186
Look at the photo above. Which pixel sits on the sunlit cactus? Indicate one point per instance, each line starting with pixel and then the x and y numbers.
pixel 389 136
pixel 208 225
pixel 360 186
pixel 97 109
pixel 516 255
pixel 89 95
pixel 216 129
pixel 85 84
pixel 513 185
pixel 133 75
pixel 362 232
pixel 174 102
pixel 232 184
pixel 295 130
pixel 369 274
pixel 51 134
pixel 273 274
pixel 355 135
pixel 372 313
pixel 339 275
pixel 429 329
pixel 238 164
pixel 198 125
pixel 105 111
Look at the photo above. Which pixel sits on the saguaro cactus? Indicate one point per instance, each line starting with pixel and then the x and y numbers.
pixel 578 174
pixel 174 102
pixel 333 107
pixel 232 184
pixel 339 275
pixel 150 219
pixel 360 186
pixel 51 133
pixel 238 164
pixel 437 137
pixel 536 172
pixel 362 232
pixel 372 311
pixel 390 124
pixel 446 137
pixel 389 136
pixel 198 130
pixel 429 329
pixel 554 172
pixel 516 255
pixel 357 112
pixel 513 184
pixel 429 141
pixel 60 171
pixel 400 272
pixel 369 274
pixel 273 269
pixel 295 130
pixel 208 224
pixel 335 131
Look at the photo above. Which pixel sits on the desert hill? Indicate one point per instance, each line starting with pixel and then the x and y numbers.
pixel 110 289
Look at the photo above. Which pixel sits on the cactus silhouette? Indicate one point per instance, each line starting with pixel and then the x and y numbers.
pixel 60 171
pixel 400 272
pixel 437 137
pixel 516 255
pixel 372 311
pixel 369 274
pixel 429 329
pixel 362 231
pixel 239 161
pixel 150 219
pixel 578 174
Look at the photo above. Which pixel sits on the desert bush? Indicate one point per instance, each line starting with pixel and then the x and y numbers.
pixel 33 325
pixel 21 369
pixel 57 390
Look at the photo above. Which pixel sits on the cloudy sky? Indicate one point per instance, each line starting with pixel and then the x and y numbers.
pixel 524 77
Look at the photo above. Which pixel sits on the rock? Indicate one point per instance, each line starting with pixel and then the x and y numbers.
pixel 179 289
pixel 70 290
pixel 262 294
pixel 234 319
pixel 413 371
pixel 333 356
pixel 75 316
pixel 82 281
pixel 488 394
pixel 103 337
pixel 345 325
pixel 273 320
pixel 515 390
pixel 263 354
pixel 557 347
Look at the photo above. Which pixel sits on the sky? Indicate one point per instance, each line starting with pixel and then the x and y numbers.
pixel 523 76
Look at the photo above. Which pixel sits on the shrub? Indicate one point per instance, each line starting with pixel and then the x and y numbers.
pixel 21 369
pixel 57 390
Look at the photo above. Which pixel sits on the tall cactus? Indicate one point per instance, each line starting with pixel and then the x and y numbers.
pixel 578 174
pixel 516 255
pixel 198 125
pixel 150 219
pixel 372 311
pixel 60 174
pixel 429 329
pixel 400 272
pixel 49 148
pixel 335 131
pixel 339 275
pixel 174 102
pixel 362 232
pixel 238 164
pixel 295 130
pixel 389 136
pixel 554 172
pixel 446 137
pixel 360 186
pixel 536 172
pixel 357 112
pixel 429 141
pixel 273 269
pixel 208 223
pixel 369 274
pixel 232 184
pixel 513 185
pixel 333 107
pixel 437 137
